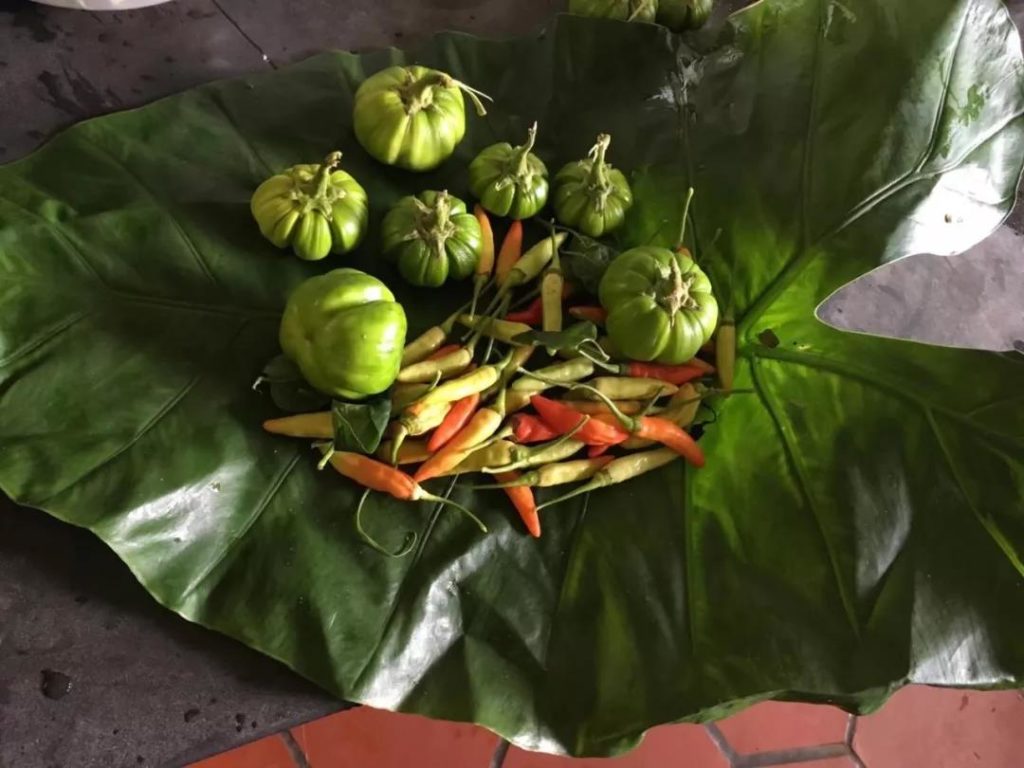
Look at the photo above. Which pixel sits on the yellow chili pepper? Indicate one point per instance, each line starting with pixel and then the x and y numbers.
pixel 491 455
pixel 518 357
pixel 533 262
pixel 310 425
pixel 415 424
pixel 429 370
pixel 621 469
pixel 499 330
pixel 571 370
pixel 558 474
pixel 410 452
pixel 405 394
pixel 628 388
pixel 551 286
pixel 456 389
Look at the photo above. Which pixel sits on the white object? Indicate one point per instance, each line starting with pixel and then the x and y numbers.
pixel 100 5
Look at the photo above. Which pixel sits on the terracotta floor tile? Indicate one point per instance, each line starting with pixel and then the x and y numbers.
pixel 668 746
pixel 781 725
pixel 944 728
pixel 265 753
pixel 832 762
pixel 371 738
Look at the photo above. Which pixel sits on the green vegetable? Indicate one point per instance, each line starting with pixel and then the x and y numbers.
pixel 432 237
pixel 859 520
pixel 346 332
pixel 590 195
pixel 680 15
pixel 624 10
pixel 660 305
pixel 316 209
pixel 510 181
pixel 412 117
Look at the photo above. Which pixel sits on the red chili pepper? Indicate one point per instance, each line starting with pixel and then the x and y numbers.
pixel 531 315
pixel 563 418
pixel 527 428
pixel 673 374
pixel 596 315
pixel 522 498
pixel 453 422
pixel 594 451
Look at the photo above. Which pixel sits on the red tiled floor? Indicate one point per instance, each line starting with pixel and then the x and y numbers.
pixel 777 725
pixel 944 728
pixel 265 753
pixel 831 762
pixel 669 746
pixel 372 738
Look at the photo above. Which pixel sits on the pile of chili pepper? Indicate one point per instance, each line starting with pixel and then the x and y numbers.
pixel 461 406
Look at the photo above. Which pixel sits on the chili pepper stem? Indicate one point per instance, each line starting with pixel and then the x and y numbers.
pixel 423 495
pixel 407 544
pixel 599 481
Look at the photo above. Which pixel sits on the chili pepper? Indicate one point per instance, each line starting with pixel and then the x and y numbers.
pixel 552 286
pixel 704 365
pixel 416 424
pixel 433 367
pixel 522 456
pixel 430 340
pixel 725 353
pixel 529 267
pixel 511 251
pixel 627 388
pixel 312 425
pixel 562 418
pixel 681 409
pixel 673 374
pixel 494 454
pixel 454 421
pixel 596 451
pixel 595 407
pixel 532 315
pixel 444 351
pixel 516 400
pixel 485 264
pixel 410 452
pixel 665 432
pixel 499 330
pixel 596 315
pixel 527 428
pixel 518 357
pixel 456 389
pixel 619 470
pixel 522 499
pixel 404 394
pixel 481 427
pixel 568 371
pixel 555 474
pixel 378 476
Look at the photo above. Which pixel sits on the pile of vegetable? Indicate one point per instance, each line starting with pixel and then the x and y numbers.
pixel 506 389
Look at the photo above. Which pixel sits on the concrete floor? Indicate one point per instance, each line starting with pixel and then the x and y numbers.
pixel 146 688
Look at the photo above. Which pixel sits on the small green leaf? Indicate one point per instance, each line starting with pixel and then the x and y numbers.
pixel 582 334
pixel 287 388
pixel 360 426
pixel 585 262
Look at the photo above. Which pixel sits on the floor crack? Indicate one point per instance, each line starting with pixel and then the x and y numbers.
pixel 243 33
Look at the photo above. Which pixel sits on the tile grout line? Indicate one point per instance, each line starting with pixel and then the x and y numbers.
pixel 792 756
pixel 498 758
pixel 295 749
pixel 851 733
pixel 719 740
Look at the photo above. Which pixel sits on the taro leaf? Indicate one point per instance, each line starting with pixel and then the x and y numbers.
pixel 582 334
pixel 288 389
pixel 586 260
pixel 859 523
pixel 360 426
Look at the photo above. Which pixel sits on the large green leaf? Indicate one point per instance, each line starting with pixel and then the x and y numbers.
pixel 859 523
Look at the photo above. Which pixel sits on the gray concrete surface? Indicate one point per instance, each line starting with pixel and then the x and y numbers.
pixel 145 687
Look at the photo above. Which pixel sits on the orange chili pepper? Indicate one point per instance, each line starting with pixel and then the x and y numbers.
pixel 510 253
pixel 453 422
pixel 522 499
